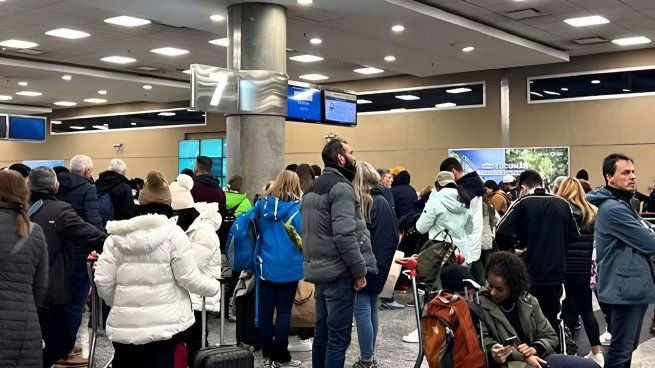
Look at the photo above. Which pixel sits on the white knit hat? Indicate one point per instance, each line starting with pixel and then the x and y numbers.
pixel 181 192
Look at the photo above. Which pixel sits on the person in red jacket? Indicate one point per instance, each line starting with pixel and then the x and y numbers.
pixel 206 188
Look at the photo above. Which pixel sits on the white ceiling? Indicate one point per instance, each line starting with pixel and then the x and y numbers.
pixel 354 33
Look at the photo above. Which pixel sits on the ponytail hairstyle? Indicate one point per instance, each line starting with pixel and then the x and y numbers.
pixel 13 190
pixel 571 190
pixel 366 178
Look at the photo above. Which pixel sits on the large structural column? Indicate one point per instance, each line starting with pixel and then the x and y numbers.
pixel 255 143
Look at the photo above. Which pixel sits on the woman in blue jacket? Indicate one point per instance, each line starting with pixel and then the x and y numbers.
pixel 383 227
pixel 279 265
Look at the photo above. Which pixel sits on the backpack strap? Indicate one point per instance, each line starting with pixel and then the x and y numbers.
pixel 34 208
pixel 288 222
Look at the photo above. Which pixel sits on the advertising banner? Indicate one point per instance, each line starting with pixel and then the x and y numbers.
pixel 494 163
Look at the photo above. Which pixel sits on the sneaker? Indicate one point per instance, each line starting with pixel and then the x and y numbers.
pixel 391 305
pixel 296 344
pixel 412 338
pixel 598 358
pixel 410 304
pixel 291 363
pixel 72 362
pixel 360 363
pixel 606 338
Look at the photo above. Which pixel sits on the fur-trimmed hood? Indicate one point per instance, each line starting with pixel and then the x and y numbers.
pixel 140 234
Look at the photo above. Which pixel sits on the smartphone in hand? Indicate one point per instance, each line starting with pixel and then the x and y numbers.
pixel 511 341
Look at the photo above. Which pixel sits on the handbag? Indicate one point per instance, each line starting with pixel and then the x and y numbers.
pixel 303 311
pixel 433 256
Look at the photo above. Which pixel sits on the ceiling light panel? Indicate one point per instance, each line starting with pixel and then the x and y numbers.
pixel 95 100
pixel 629 41
pixel 305 2
pixel 445 105
pixel 362 101
pixel 118 59
pixel 166 113
pixel 468 48
pixel 217 18
pixel 147 87
pixel 225 42
pixel 66 77
pixel 408 97
pixel 523 14
pixel 18 44
pixel 127 21
pixel 65 103
pixel 29 93
pixel 398 28
pixel 316 41
pixel 586 21
pixel 170 51
pixel 314 77
pixel 67 33
pixel 102 92
pixel 389 58
pixel 458 90
pixel 23 84
pixel 5 98
pixel 306 58
pixel 368 70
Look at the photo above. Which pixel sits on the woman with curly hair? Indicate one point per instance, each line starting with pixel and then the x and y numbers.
pixel 515 331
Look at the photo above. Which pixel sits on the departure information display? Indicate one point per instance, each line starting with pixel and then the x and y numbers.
pixel 303 103
pixel 27 128
pixel 340 108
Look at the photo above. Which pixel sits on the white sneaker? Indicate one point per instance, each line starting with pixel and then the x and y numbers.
pixel 412 338
pixel 291 363
pixel 598 358
pixel 606 338
pixel 296 344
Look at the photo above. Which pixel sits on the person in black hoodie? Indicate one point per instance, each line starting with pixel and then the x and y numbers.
pixel 114 183
pixel 403 193
pixel 205 187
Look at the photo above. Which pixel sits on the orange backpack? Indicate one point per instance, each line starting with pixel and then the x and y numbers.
pixel 449 337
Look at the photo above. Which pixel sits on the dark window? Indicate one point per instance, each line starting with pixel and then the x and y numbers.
pixel 162 119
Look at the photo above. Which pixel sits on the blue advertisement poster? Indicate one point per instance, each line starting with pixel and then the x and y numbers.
pixel 494 163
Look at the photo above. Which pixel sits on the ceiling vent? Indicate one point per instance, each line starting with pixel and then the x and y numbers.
pixel 146 68
pixel 590 40
pixel 524 14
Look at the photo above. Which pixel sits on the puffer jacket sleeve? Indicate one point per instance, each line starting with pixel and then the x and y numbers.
pixel 90 210
pixel 105 272
pixel 344 219
pixel 184 267
pixel 73 228
pixel 208 241
pixel 40 281
pixel 429 215
pixel 545 335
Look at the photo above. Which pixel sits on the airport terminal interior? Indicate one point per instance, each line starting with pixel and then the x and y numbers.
pixel 502 85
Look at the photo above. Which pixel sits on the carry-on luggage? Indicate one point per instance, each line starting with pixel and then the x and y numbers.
pixel 221 356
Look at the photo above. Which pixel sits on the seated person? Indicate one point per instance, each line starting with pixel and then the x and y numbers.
pixel 511 313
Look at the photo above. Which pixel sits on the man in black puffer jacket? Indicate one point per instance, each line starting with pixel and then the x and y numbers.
pixel 404 194
pixel 114 183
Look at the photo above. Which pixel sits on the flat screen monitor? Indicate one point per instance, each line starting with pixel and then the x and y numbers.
pixel 340 108
pixel 26 128
pixel 49 163
pixel 303 104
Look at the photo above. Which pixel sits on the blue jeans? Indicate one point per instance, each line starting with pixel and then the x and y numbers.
pixel 626 328
pixel 335 301
pixel 275 297
pixel 366 318
pixel 81 287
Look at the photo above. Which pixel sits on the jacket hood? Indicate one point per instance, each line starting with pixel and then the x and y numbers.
pixel 69 182
pixel 141 234
pixel 208 213
pixel 600 195
pixel 233 199
pixel 403 178
pixel 108 180
pixel 207 180
pixel 448 196
pixel 473 183
pixel 273 209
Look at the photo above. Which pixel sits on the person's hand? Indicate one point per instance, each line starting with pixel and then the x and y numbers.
pixel 93 256
pixel 360 283
pixel 500 353
pixel 534 361
pixel 526 350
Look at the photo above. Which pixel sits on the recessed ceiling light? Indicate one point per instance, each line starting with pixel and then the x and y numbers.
pixel 458 90
pixel 468 48
pixel 445 105
pixel 408 97
pixel 389 58
pixel 18 44
pixel 67 33
pixel 101 127
pixel 564 89
pixel 166 113
pixel 537 94
pixel 225 42
pixel 531 82
pixel 77 127
pixel 315 41
pixel 306 58
pixel 95 100
pixel 23 84
pixel 217 18
pixel 188 71
pixel 118 59
pixel 55 122
pixel 368 70
pixel 626 90
pixel 595 81
pixel 314 77
pixel 586 21
pixel 29 93
pixel 133 124
pixel 102 92
pixel 398 28
pixel 126 21
pixel 361 101
pixel 5 98
pixel 552 93
pixel 305 2
pixel 628 41
pixel 170 51
pixel 66 77
pixel 65 103
pixel 147 86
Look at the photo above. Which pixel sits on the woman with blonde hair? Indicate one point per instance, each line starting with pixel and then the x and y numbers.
pixel 278 265
pixel 383 227
pixel 578 266
pixel 23 275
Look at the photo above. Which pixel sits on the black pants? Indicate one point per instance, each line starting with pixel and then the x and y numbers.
pixel 55 329
pixel 549 297
pixel 192 337
pixel 278 298
pixel 578 303
pixel 158 354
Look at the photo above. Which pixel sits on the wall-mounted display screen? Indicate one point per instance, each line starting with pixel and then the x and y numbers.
pixel 49 163
pixel 26 128
pixel 304 103
pixel 340 108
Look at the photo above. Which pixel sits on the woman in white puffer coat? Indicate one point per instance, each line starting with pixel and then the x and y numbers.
pixel 145 274
pixel 200 221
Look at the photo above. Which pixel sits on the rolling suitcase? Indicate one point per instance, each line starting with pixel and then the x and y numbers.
pixel 221 356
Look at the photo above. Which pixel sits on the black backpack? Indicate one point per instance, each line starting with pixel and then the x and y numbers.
pixel 106 208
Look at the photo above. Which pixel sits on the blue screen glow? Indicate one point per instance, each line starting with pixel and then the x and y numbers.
pixel 303 104
pixel 27 128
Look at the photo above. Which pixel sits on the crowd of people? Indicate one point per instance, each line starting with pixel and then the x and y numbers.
pixel 540 251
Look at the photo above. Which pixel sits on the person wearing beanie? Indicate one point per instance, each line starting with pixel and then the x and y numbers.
pixel 64 230
pixel 404 195
pixel 200 221
pixel 158 270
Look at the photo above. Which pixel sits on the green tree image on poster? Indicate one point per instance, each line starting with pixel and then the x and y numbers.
pixel 549 162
